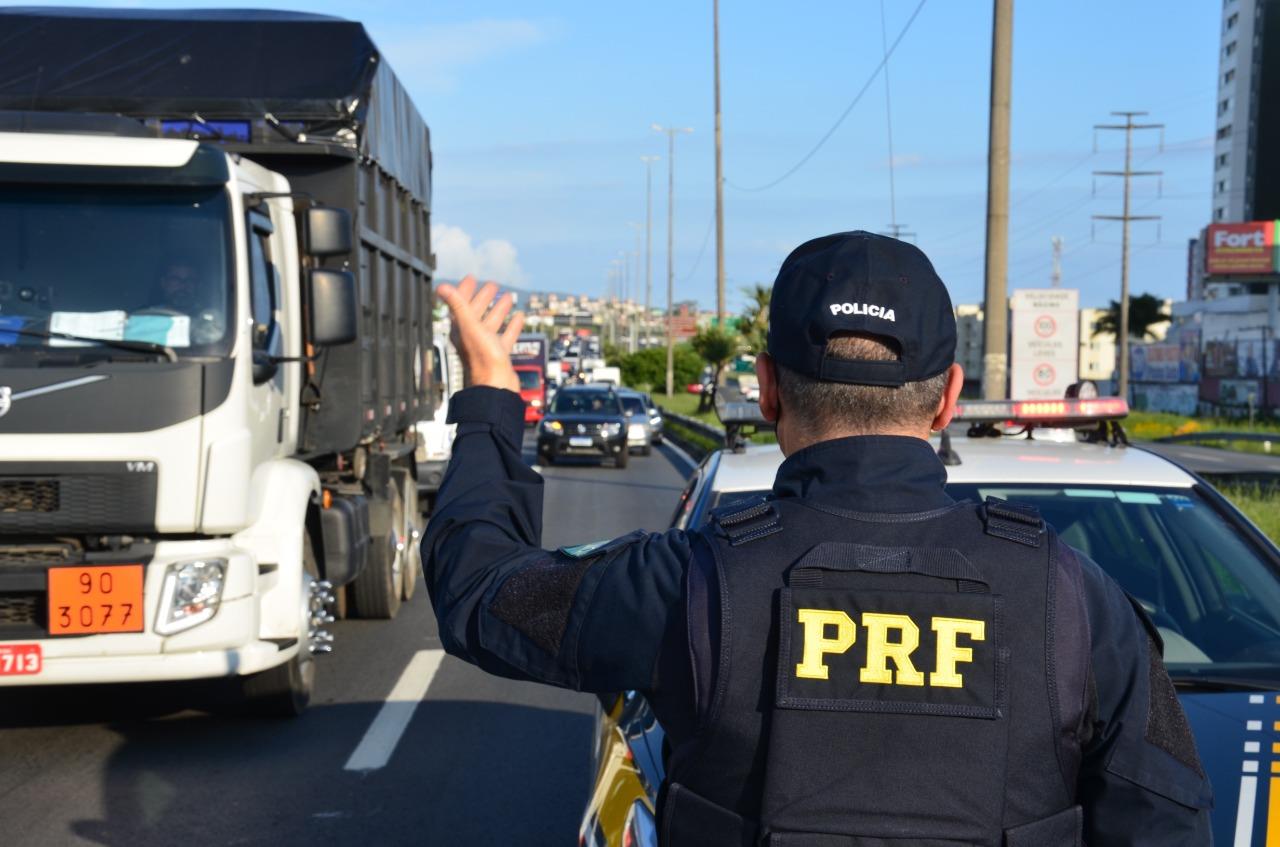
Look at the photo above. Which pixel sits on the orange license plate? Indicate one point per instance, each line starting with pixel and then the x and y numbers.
pixel 92 599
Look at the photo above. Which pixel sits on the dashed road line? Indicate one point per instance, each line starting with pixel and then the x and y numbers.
pixel 382 736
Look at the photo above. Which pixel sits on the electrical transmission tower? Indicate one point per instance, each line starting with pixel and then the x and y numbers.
pixel 1125 217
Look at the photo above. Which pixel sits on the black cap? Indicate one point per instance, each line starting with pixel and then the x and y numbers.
pixel 861 282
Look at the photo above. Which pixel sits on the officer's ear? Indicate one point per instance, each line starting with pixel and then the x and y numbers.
pixel 950 396
pixel 767 377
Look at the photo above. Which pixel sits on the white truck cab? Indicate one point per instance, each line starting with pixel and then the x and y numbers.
pixel 213 339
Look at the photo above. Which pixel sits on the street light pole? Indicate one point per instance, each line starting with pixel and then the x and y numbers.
pixel 648 239
pixel 715 13
pixel 671 132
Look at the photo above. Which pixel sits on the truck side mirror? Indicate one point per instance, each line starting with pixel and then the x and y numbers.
pixel 333 307
pixel 326 231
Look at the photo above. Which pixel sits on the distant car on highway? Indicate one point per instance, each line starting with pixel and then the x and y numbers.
pixel 640 427
pixel 1207 577
pixel 584 421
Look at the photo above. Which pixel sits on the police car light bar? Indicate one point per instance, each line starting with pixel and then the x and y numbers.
pixel 1043 413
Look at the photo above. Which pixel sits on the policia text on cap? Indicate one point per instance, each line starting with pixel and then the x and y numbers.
pixel 858 660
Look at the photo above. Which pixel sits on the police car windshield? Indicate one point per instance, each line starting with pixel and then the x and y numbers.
pixel 1213 596
pixel 587 403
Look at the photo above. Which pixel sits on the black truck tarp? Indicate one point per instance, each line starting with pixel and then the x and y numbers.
pixel 322 72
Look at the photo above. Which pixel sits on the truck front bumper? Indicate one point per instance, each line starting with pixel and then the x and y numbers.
pixel 228 644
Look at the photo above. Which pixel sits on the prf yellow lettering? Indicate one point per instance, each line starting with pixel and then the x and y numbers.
pixel 949 654
pixel 817 645
pixel 880 650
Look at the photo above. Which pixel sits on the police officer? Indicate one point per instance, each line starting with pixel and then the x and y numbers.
pixel 857 660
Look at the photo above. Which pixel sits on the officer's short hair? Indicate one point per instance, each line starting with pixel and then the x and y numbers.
pixel 831 407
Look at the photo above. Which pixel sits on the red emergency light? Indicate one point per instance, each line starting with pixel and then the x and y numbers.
pixel 1043 413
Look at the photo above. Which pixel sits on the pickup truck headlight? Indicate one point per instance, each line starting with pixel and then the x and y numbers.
pixel 552 426
pixel 635 431
pixel 611 428
pixel 190 594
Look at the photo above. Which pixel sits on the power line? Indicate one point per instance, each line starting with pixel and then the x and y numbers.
pixel 697 263
pixel 857 98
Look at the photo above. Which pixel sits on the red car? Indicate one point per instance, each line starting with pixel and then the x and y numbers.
pixel 533 391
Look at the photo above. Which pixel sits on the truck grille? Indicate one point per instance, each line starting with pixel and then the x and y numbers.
pixel 67 498
pixel 38 554
pixel 28 495
pixel 21 611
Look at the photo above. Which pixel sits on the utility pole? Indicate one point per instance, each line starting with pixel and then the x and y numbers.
pixel 648 240
pixel 896 230
pixel 671 132
pixel 1124 217
pixel 995 352
pixel 715 14
pixel 1056 278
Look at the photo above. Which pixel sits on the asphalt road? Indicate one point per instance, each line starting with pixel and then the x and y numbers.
pixel 1221 465
pixel 481 761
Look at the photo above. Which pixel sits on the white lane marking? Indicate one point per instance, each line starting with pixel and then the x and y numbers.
pixel 1244 811
pixel 380 740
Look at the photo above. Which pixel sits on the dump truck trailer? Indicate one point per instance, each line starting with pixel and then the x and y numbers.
pixel 215 343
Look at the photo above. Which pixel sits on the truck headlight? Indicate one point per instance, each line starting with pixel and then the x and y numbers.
pixel 552 426
pixel 190 594
pixel 611 428
pixel 635 431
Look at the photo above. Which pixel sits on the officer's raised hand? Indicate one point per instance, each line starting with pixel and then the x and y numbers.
pixel 478 334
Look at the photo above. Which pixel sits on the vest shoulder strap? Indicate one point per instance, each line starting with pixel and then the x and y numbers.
pixel 751 520
pixel 1018 522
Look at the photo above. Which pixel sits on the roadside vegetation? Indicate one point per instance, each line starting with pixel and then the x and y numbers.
pixel 1261 505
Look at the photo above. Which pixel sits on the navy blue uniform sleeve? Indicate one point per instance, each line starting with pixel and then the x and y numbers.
pixel 1141 781
pixel 590 618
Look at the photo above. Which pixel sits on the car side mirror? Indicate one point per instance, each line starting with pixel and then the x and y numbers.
pixel 333 307
pixel 326 231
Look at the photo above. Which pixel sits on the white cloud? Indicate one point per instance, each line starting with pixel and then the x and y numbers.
pixel 458 255
pixel 433 55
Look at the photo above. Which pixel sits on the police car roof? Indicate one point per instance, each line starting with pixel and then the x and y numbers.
pixel 1007 460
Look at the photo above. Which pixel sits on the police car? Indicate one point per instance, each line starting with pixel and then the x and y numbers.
pixel 1209 579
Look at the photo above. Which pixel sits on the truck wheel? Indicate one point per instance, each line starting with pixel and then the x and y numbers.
pixel 285 690
pixel 376 591
pixel 412 535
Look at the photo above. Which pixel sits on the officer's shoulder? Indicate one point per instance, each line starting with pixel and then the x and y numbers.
pixel 1010 520
pixel 747 520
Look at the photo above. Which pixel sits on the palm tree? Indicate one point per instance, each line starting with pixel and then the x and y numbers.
pixel 754 325
pixel 716 345
pixel 1145 311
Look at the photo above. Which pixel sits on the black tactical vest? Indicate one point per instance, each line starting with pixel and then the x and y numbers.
pixel 908 679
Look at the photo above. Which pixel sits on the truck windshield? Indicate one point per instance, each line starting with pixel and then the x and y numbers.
pixel 128 263
pixel 529 380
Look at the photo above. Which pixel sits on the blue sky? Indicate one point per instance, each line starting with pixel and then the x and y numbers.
pixel 540 113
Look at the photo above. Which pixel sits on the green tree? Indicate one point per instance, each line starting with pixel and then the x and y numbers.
pixel 717 346
pixel 647 369
pixel 755 318
pixel 1145 311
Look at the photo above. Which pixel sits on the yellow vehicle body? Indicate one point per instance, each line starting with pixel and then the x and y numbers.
pixel 618 785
